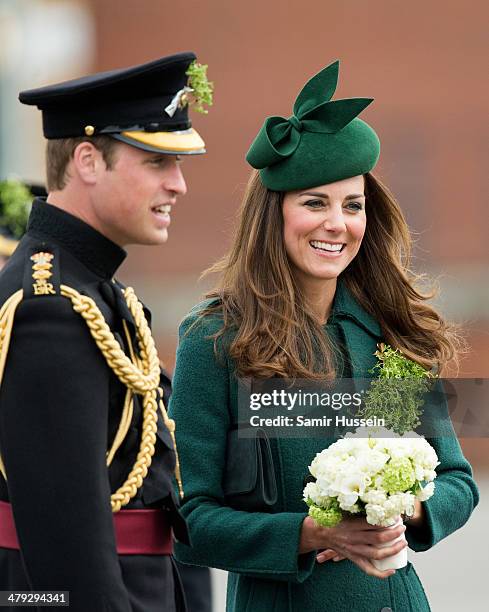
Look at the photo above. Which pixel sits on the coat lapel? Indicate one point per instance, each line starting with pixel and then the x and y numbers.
pixel 361 331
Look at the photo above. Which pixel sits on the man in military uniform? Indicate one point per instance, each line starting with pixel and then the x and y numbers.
pixel 86 498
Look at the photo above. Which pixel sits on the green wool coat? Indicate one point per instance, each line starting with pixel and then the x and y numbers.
pixel 260 549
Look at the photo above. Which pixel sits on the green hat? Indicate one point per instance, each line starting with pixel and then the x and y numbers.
pixel 322 142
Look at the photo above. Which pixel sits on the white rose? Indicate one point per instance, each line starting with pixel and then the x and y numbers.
pixel 372 461
pixel 311 491
pixel 429 475
pixel 407 503
pixel 419 472
pixel 427 492
pixel 374 496
pixel 375 514
pixel 400 503
pixel 347 501
pixel 393 506
pixel 353 483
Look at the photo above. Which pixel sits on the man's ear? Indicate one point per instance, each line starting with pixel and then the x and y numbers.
pixel 88 163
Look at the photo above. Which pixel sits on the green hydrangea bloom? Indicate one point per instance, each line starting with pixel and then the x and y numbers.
pixel 398 475
pixel 326 517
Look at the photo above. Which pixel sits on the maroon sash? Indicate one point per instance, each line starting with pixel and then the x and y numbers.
pixel 137 532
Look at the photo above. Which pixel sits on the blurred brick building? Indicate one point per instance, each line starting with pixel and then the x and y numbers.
pixel 425 70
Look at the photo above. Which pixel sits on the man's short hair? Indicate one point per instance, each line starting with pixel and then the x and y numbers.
pixel 59 152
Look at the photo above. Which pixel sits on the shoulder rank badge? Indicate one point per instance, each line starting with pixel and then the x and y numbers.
pixel 41 273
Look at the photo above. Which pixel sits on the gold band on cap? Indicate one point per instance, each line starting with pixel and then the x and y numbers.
pixel 185 141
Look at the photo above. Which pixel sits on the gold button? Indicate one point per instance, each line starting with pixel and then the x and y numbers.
pixel 89 130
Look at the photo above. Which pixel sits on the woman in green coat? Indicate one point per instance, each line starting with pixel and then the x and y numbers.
pixel 317 276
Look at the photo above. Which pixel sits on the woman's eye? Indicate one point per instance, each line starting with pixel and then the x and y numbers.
pixel 355 206
pixel 314 203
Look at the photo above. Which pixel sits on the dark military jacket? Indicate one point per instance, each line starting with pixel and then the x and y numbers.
pixel 60 407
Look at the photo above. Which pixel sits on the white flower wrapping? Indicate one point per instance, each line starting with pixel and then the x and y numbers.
pixel 379 477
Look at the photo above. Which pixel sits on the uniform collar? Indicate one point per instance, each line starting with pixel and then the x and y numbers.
pixel 346 306
pixel 89 246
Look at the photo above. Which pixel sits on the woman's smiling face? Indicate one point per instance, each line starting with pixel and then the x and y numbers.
pixel 324 228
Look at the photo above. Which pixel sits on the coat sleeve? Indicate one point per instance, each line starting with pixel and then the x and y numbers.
pixel 253 543
pixel 53 438
pixel 454 488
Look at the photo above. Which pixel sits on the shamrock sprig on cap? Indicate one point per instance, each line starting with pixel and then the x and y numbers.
pixel 202 88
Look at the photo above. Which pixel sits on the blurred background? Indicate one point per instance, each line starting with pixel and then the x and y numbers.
pixel 425 63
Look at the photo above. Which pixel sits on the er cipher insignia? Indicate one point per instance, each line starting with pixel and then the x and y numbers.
pixel 41 273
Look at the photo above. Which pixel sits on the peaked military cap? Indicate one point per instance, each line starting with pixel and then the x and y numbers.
pixel 322 142
pixel 145 106
pixel 15 205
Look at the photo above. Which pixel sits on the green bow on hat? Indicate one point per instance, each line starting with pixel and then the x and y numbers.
pixel 322 142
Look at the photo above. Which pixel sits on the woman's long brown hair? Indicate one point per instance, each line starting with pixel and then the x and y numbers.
pixel 277 333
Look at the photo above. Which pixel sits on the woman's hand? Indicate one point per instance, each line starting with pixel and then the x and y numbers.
pixel 327 555
pixel 353 539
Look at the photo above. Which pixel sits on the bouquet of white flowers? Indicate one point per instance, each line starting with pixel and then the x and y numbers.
pixel 376 477
pixel 382 476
